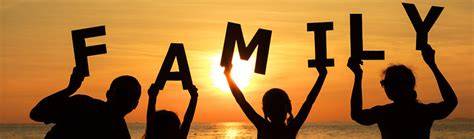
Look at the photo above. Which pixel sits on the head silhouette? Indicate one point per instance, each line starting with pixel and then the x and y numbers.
pixel 166 124
pixel 399 84
pixel 123 94
pixel 276 106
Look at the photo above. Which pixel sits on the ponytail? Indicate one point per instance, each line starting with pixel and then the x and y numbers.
pixel 289 118
pixel 289 112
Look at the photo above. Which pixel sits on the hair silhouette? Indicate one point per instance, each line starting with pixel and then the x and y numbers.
pixel 123 94
pixel 165 124
pixel 81 116
pixel 399 84
pixel 276 105
pixel 405 117
pixel 277 109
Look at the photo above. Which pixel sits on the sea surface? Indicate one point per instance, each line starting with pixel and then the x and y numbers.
pixel 446 129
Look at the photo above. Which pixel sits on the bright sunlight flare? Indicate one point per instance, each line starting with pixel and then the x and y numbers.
pixel 242 71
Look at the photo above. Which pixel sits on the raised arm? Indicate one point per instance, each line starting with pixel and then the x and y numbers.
pixel 298 121
pixel 188 117
pixel 152 94
pixel 253 116
pixel 444 108
pixel 50 108
pixel 359 115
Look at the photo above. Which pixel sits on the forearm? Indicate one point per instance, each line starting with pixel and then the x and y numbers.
pixel 66 92
pixel 356 98
pixel 313 94
pixel 244 105
pixel 59 96
pixel 151 107
pixel 445 88
pixel 50 105
pixel 236 92
pixel 150 113
pixel 316 88
pixel 310 99
pixel 188 116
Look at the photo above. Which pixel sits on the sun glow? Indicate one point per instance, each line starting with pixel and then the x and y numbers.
pixel 241 72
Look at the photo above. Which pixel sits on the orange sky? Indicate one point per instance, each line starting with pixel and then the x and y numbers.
pixel 37 56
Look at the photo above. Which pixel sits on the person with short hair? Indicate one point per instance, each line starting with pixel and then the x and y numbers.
pixel 405 117
pixel 81 116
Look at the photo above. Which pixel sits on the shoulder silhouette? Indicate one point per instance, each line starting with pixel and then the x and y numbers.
pixel 278 120
pixel 405 117
pixel 81 116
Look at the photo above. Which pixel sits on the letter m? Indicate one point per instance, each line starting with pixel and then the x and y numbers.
pixel 234 34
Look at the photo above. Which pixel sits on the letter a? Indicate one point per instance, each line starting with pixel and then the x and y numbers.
pixel 176 50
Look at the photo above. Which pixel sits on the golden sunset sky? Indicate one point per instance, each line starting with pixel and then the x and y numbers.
pixel 36 56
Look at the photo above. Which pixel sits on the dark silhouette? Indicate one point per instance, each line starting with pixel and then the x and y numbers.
pixel 320 30
pixel 276 108
pixel 82 51
pixel 405 117
pixel 422 26
pixel 165 124
pixel 175 51
pixel 81 116
pixel 357 47
pixel 233 35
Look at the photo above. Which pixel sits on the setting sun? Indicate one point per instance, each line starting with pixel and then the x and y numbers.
pixel 241 72
pixel 125 45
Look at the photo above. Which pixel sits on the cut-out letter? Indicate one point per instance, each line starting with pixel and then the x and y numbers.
pixel 81 52
pixel 234 34
pixel 319 30
pixel 357 51
pixel 175 51
pixel 422 27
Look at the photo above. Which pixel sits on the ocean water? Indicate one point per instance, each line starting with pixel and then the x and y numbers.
pixel 450 129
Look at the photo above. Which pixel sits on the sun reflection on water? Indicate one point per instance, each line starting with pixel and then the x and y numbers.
pixel 231 133
pixel 232 129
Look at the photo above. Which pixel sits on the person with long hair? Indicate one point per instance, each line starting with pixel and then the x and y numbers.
pixel 277 109
pixel 165 124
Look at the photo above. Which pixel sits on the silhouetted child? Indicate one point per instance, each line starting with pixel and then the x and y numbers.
pixel 405 118
pixel 165 124
pixel 277 109
pixel 81 116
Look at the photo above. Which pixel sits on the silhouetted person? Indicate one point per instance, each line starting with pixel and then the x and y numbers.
pixel 83 117
pixel 277 109
pixel 405 118
pixel 165 124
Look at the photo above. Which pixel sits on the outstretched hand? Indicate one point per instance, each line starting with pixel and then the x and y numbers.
pixel 153 90
pixel 193 91
pixel 76 79
pixel 354 65
pixel 428 55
